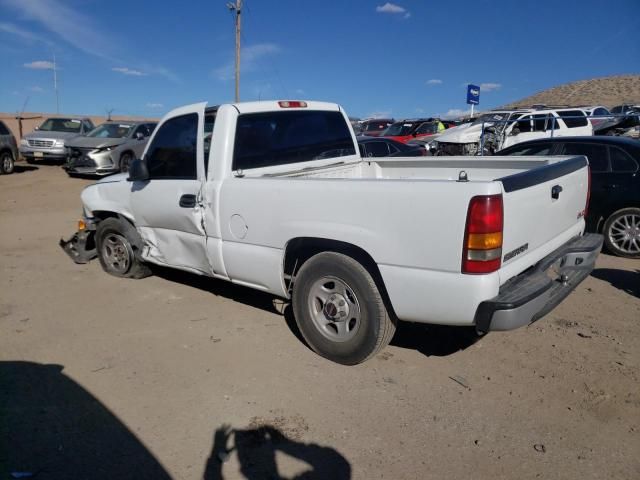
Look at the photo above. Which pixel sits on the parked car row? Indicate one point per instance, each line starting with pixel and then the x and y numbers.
pixel 84 148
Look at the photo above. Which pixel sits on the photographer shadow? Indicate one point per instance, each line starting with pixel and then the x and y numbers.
pixel 256 449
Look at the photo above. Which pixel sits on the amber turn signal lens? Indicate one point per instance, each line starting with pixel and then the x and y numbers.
pixel 81 225
pixel 484 241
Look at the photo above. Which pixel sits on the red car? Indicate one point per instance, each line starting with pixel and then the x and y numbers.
pixel 375 127
pixel 406 130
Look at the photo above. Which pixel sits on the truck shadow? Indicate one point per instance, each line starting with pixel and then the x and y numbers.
pixel 52 428
pixel 430 340
pixel 24 168
pixel 625 280
pixel 256 448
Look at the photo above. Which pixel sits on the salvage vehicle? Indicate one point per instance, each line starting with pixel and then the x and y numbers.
pixel 614 208
pixel 374 127
pixel 406 130
pixel 496 130
pixel 8 149
pixel 107 149
pixel 623 124
pixel 281 201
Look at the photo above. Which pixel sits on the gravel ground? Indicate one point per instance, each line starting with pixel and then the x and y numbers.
pixel 176 376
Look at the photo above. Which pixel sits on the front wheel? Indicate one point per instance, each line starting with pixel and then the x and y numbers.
pixel 125 161
pixel 117 243
pixel 7 163
pixel 622 233
pixel 339 309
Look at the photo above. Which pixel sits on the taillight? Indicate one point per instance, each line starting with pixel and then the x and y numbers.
pixel 292 104
pixel 482 248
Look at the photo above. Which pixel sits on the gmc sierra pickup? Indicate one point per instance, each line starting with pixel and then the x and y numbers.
pixel 278 199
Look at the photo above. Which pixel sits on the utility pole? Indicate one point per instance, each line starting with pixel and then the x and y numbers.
pixel 237 8
pixel 55 83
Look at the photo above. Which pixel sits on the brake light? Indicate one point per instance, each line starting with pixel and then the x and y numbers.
pixel 482 248
pixel 292 104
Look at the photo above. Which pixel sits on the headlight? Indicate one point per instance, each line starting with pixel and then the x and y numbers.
pixel 432 145
pixel 59 143
pixel 23 142
pixel 104 149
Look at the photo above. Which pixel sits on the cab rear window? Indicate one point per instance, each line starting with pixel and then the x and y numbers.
pixel 280 138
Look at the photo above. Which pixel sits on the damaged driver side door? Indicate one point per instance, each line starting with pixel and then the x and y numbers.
pixel 168 207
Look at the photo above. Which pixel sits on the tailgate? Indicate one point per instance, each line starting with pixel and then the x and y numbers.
pixel 543 208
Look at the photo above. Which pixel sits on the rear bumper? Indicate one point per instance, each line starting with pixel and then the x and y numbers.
pixel 531 295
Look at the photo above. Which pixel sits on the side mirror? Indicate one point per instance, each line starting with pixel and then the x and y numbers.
pixel 138 171
pixel 139 135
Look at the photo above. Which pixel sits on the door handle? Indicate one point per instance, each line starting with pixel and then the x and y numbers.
pixel 188 201
pixel 555 192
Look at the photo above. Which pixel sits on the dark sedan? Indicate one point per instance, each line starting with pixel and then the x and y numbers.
pixel 614 208
pixel 385 147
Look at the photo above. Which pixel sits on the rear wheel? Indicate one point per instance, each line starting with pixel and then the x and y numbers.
pixel 622 233
pixel 339 309
pixel 7 162
pixel 118 246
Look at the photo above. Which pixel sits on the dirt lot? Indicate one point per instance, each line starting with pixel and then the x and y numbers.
pixel 180 377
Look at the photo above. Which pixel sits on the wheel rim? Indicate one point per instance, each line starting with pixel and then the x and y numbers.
pixel 124 163
pixel 334 308
pixel 624 233
pixel 116 252
pixel 6 162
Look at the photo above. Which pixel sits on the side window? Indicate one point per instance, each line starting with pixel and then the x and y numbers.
pixel 524 124
pixel 597 154
pixel 141 129
pixel 377 149
pixel 539 123
pixel 574 118
pixel 3 129
pixel 150 128
pixel 173 152
pixel 621 162
pixel 600 111
pixel 536 149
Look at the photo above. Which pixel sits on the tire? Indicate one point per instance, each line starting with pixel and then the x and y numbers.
pixel 332 286
pixel 622 233
pixel 118 245
pixel 125 161
pixel 7 163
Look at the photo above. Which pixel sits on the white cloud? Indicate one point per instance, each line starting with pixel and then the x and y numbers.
pixel 155 105
pixel 21 33
pixel 390 8
pixel 456 112
pixel 434 81
pixel 36 89
pixel 39 65
pixel 249 58
pixel 380 114
pixel 128 71
pixel 74 27
pixel 489 87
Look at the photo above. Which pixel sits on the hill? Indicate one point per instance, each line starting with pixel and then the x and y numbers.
pixel 607 91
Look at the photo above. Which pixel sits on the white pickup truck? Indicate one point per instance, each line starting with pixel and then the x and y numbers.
pixel 274 196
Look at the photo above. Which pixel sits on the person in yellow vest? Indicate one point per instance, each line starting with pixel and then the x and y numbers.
pixel 441 126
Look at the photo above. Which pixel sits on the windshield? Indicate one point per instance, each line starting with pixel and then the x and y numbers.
pixel 61 125
pixel 111 130
pixel 375 126
pixel 399 129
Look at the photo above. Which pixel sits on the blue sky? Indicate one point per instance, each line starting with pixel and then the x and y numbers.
pixel 404 58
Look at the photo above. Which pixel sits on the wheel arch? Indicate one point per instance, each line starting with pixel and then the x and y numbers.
pixel 613 208
pixel 300 249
